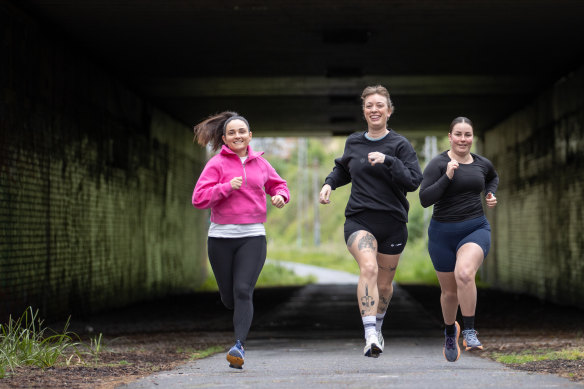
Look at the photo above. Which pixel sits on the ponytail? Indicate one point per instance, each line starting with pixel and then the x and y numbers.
pixel 211 129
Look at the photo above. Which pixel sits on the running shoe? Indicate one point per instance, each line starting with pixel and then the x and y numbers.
pixel 471 342
pixel 236 355
pixel 372 348
pixel 381 342
pixel 451 349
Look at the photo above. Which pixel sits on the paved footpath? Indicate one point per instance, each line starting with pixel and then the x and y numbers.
pixel 334 363
pixel 314 340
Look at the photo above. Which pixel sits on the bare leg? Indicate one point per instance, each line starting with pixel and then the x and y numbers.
pixel 363 246
pixel 468 260
pixel 449 304
pixel 387 265
pixel 448 296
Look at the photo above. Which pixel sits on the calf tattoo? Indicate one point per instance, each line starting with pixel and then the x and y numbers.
pixel 383 304
pixel 366 301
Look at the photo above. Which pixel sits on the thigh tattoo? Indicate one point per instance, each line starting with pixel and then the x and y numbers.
pixel 352 238
pixel 367 242
pixel 388 268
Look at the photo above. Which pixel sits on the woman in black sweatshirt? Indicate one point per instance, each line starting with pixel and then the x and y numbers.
pixel 382 167
pixel 459 236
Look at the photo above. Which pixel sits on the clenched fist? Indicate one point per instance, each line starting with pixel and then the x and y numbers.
pixel 278 201
pixel 325 193
pixel 236 182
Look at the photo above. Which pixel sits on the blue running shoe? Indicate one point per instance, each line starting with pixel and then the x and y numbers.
pixel 236 355
pixel 471 342
pixel 451 348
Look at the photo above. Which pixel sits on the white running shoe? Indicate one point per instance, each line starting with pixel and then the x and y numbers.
pixel 372 348
pixel 381 341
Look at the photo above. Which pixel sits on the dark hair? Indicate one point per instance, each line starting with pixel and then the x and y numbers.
pixel 211 130
pixel 460 119
pixel 379 89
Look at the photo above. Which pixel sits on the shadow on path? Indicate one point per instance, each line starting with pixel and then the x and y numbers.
pixel 319 309
pixel 312 336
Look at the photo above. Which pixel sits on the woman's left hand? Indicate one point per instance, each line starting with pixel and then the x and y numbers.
pixel 278 201
pixel 375 157
pixel 491 200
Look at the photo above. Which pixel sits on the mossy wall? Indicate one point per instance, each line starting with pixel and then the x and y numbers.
pixel 95 184
pixel 538 225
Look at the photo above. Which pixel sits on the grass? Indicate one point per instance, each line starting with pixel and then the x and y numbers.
pixel 199 354
pixel 328 256
pixel 414 267
pixel 95 346
pixel 271 275
pixel 540 355
pixel 25 341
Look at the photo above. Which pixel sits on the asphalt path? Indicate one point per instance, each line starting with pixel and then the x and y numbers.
pixel 337 363
pixel 322 275
pixel 314 339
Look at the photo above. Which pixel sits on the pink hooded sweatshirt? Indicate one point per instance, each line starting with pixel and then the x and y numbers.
pixel 247 204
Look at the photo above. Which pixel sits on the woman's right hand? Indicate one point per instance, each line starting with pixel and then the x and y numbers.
pixel 451 167
pixel 325 193
pixel 236 182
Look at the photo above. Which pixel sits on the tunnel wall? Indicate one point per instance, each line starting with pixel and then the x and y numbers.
pixel 538 239
pixel 95 184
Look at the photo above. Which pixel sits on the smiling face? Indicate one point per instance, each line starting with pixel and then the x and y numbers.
pixel 237 137
pixel 461 138
pixel 376 111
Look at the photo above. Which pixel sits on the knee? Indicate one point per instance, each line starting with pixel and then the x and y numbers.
pixel 464 277
pixel 242 292
pixel 227 301
pixel 369 270
pixel 449 296
pixel 385 290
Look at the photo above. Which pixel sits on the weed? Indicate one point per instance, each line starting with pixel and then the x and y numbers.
pixel 206 352
pixel 25 341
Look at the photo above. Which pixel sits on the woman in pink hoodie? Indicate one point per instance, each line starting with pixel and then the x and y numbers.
pixel 233 185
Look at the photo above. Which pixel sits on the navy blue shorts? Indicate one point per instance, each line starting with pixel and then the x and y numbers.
pixel 390 233
pixel 444 240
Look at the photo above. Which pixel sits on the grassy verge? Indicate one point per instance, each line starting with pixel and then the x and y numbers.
pixel 271 275
pixel 414 267
pixel 200 354
pixel 26 345
pixel 327 256
pixel 535 355
pixel 25 341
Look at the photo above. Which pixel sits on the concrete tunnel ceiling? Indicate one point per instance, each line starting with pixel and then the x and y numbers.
pixel 298 67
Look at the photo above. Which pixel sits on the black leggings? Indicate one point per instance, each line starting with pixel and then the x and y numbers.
pixel 237 263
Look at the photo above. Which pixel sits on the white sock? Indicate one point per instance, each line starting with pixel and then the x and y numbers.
pixel 369 325
pixel 379 321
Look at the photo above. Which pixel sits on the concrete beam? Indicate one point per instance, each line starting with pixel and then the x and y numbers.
pixel 429 85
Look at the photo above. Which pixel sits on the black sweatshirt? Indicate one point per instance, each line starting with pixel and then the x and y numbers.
pixel 382 187
pixel 458 199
